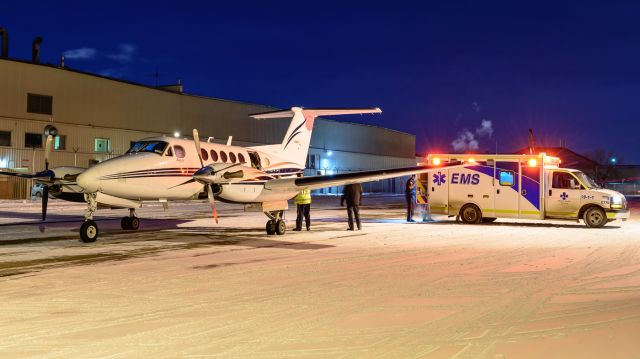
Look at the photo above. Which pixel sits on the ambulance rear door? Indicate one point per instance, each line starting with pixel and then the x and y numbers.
pixel 438 188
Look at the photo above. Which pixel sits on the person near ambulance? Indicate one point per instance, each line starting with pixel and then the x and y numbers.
pixel 352 194
pixel 422 200
pixel 410 196
pixel 303 209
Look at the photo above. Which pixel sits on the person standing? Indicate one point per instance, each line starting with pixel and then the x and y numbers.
pixel 410 196
pixel 352 194
pixel 303 208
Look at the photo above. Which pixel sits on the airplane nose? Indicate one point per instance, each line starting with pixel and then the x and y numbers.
pixel 88 180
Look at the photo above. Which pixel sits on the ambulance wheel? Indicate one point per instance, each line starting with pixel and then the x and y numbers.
pixel 488 219
pixel 594 217
pixel 271 227
pixel 470 213
pixel 281 227
pixel 89 231
pixel 125 223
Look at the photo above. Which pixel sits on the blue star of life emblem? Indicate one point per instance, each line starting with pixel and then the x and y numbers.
pixel 564 196
pixel 439 178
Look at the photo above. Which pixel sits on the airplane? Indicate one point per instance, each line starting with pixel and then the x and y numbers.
pixel 164 169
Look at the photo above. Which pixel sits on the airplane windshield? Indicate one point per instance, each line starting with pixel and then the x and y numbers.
pixel 148 146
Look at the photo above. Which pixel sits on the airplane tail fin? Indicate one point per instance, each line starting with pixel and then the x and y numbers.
pixel 295 144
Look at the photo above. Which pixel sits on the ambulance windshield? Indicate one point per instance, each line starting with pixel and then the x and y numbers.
pixel 586 180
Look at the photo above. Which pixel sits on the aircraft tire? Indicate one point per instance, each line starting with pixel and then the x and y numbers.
pixel 470 214
pixel 271 227
pixel 134 223
pixel 89 231
pixel 594 217
pixel 281 227
pixel 125 223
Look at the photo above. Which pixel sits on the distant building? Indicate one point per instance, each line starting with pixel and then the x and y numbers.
pixel 97 117
pixel 569 158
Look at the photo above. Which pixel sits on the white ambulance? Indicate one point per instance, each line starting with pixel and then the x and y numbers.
pixel 487 187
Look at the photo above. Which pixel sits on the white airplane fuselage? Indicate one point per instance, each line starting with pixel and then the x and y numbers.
pixel 152 176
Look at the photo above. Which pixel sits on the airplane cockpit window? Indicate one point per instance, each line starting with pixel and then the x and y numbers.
pixel 148 146
pixel 255 160
pixel 169 152
pixel 179 150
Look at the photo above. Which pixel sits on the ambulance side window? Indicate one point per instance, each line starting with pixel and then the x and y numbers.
pixel 564 180
pixel 506 178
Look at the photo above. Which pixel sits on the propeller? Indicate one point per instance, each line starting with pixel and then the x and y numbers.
pixel 212 199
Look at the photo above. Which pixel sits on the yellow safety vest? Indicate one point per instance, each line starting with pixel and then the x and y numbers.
pixel 303 197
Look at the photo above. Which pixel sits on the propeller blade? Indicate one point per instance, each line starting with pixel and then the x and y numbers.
pixel 47 151
pixel 196 140
pixel 183 183
pixel 45 201
pixel 212 201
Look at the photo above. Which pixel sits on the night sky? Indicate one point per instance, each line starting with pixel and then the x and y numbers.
pixel 459 75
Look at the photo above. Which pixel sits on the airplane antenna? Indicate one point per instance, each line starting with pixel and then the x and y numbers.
pixel 229 140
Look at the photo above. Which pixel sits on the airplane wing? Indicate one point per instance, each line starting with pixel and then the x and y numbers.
pixel 317 182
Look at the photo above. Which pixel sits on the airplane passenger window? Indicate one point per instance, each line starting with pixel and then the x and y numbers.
pixel 205 155
pixel 179 150
pixel 241 158
pixel 223 156
pixel 214 156
pixel 232 157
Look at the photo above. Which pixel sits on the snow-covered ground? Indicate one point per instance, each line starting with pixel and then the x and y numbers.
pixel 183 286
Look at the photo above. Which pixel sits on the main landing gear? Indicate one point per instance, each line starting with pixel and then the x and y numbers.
pixel 89 229
pixel 276 225
pixel 132 222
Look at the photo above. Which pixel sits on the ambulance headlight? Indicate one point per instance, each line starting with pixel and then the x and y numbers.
pixel 617 202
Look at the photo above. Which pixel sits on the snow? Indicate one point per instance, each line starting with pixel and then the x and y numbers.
pixel 184 286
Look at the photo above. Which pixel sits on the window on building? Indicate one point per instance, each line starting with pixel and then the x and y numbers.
pixel 214 155
pixel 102 145
pixel 232 157
pixel 506 178
pixel 223 156
pixel 5 138
pixel 32 140
pixel 241 158
pixel 59 142
pixel 312 162
pixel 39 104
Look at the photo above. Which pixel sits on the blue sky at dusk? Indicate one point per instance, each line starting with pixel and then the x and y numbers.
pixel 455 74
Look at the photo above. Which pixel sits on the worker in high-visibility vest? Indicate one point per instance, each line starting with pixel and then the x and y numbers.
pixel 303 207
pixel 422 199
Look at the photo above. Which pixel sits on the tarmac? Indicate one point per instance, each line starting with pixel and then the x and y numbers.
pixel 183 286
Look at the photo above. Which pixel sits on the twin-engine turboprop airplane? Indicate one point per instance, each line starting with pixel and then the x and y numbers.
pixel 166 169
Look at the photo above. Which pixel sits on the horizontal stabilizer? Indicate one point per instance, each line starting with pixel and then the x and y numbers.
pixel 316 112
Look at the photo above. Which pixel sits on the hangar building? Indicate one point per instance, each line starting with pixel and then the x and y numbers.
pixel 98 117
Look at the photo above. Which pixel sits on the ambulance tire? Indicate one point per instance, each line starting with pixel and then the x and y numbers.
pixel 488 219
pixel 470 214
pixel 594 217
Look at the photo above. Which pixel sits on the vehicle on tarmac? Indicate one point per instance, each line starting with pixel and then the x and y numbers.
pixel 488 187
pixel 164 169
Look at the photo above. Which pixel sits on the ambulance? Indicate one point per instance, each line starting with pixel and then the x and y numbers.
pixel 487 187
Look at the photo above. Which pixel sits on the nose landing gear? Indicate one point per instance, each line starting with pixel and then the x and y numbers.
pixel 276 225
pixel 89 229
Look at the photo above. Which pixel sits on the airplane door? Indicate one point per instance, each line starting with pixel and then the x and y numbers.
pixel 563 195
pixel 438 188
pixel 507 189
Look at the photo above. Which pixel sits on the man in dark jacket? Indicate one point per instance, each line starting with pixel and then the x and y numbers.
pixel 352 194
pixel 410 196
